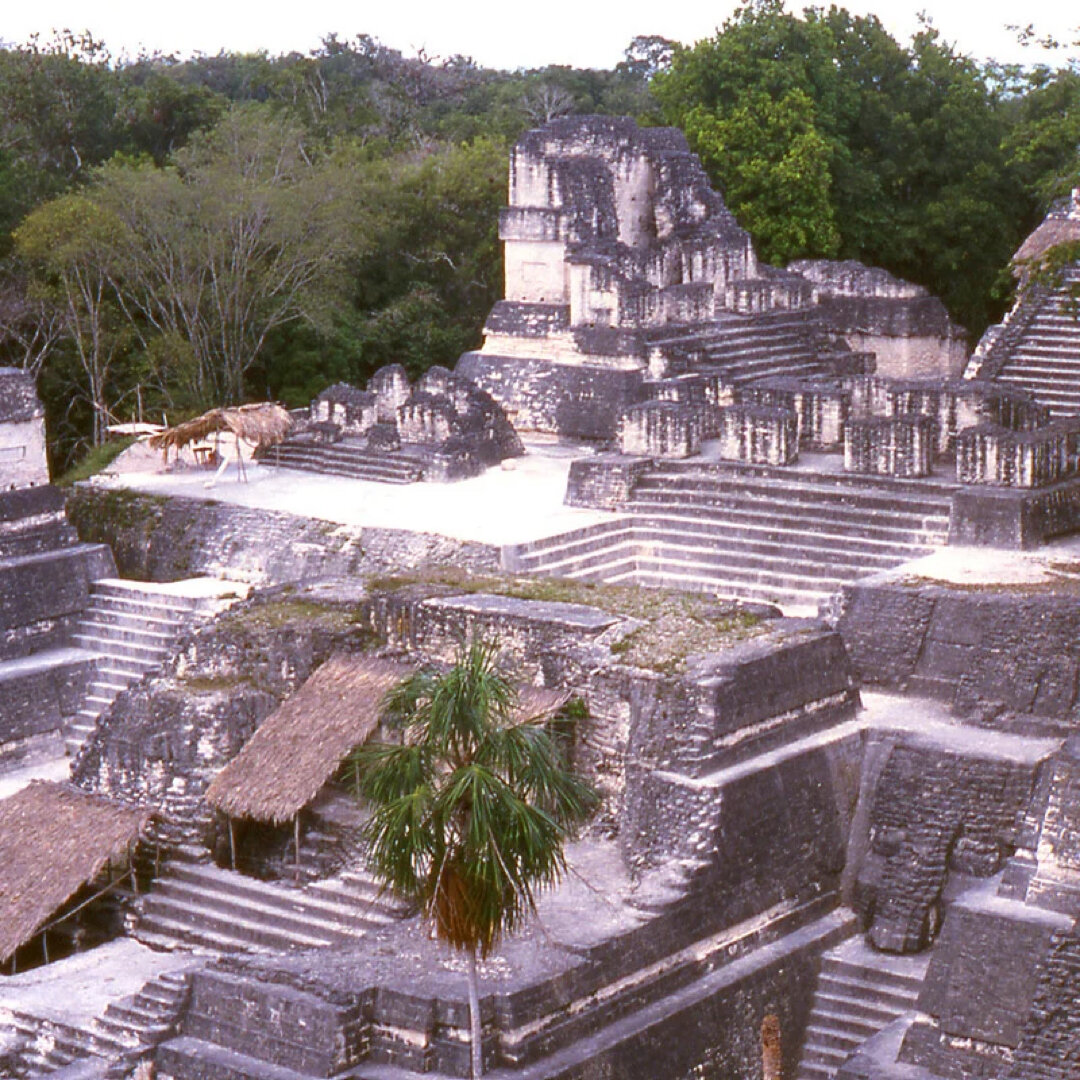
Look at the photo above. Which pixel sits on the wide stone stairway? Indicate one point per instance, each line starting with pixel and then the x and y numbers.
pixel 200 905
pixel 349 458
pixel 859 992
pixel 131 627
pixel 1046 359
pixel 754 532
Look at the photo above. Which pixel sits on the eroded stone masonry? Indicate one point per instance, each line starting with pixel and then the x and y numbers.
pixel 838 755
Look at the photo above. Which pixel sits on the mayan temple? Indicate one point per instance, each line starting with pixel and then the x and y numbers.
pixel 787 578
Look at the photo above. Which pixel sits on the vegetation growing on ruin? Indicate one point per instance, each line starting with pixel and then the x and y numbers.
pixel 674 625
pixel 374 180
pixel 96 460
pixel 278 612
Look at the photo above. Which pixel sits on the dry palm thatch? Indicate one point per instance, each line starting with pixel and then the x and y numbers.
pixel 297 749
pixel 54 839
pixel 263 424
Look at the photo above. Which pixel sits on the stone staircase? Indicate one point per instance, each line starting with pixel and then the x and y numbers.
pixel 1046 358
pixel 127 1030
pixel 859 993
pixel 746 347
pixel 346 458
pixel 131 626
pixel 752 532
pixel 199 905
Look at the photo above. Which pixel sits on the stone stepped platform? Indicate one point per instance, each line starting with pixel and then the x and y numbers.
pixel 33 522
pixel 860 991
pixel 750 532
pixel 348 458
pixel 608 1026
pixel 202 906
pixel 130 627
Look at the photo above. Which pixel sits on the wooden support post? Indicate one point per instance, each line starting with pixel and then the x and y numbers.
pixel 296 838
pixel 771 1057
pixel 232 845
pixel 45 944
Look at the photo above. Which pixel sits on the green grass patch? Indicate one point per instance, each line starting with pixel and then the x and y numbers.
pixel 287 611
pixel 96 459
pixel 211 684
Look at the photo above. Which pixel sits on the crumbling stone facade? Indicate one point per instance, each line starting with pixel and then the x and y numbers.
pixel 22 432
pixel 442 428
pixel 622 265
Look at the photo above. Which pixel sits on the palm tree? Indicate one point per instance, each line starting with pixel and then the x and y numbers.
pixel 472 803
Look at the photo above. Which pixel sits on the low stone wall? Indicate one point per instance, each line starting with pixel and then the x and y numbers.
pixel 759 435
pixel 1009 657
pixel 41 597
pixel 579 401
pixel 899 446
pixel 167 539
pixel 986 516
pixel 36 703
pixel 821 407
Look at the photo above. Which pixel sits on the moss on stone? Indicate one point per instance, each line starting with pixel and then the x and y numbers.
pixel 675 625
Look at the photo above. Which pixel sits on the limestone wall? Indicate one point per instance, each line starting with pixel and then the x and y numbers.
pixel 1011 658
pixel 166 539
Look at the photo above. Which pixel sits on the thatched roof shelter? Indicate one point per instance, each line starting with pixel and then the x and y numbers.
pixel 54 839
pixel 296 749
pixel 264 424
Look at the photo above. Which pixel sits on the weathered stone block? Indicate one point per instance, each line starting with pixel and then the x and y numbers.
pixel 758 434
pixel 889 446
pixel 661 429
pixel 604 482
pixel 991 454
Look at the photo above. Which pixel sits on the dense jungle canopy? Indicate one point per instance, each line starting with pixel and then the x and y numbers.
pixel 177 234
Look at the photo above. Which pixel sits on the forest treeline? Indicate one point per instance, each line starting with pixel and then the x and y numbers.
pixel 182 233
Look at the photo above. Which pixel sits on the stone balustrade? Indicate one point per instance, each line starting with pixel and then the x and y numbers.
pixel 759 434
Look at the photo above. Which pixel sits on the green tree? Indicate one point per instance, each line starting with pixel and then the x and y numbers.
pixel 471 806
pixel 827 135
pixel 66 242
pixel 250 231
pixel 775 164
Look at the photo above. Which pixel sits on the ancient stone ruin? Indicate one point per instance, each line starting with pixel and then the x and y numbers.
pixel 625 270
pixel 22 432
pixel 837 755
pixel 440 429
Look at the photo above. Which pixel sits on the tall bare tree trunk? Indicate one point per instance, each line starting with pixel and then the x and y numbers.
pixel 476 1034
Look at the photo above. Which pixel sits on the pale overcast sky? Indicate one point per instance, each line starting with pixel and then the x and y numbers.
pixel 504 34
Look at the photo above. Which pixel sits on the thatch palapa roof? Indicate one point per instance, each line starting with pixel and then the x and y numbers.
pixel 54 839
pixel 264 424
pixel 296 749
